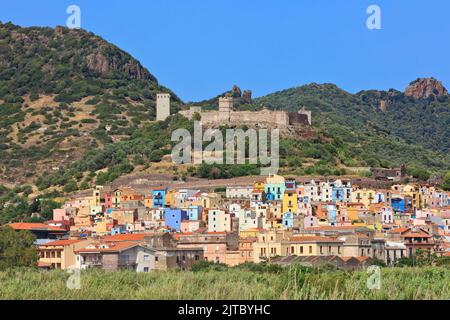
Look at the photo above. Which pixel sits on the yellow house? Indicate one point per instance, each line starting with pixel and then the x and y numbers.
pixel 170 197
pixel 210 201
pixel 96 196
pixel 271 243
pixel 60 254
pixel 148 202
pixel 290 203
pixel 249 233
pixel 315 246
pixel 101 228
pixel 364 196
pixel 353 210
pixel 415 194
pixel 117 198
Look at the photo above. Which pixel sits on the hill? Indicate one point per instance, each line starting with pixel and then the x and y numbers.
pixel 76 111
pixel 375 128
pixel 64 92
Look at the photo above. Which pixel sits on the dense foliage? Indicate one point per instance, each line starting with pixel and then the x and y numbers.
pixel 76 110
pixel 411 131
pixel 252 282
pixel 17 249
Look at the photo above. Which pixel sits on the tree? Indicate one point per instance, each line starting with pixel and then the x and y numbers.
pixel 17 248
pixel 446 182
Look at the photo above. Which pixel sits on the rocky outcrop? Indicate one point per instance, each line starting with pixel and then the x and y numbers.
pixel 423 88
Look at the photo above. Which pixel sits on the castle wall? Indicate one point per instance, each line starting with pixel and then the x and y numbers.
pixel 274 118
pixel 264 117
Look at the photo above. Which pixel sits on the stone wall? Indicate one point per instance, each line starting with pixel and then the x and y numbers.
pixel 265 117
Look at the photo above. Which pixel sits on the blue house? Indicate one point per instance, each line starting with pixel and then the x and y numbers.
pixel 159 197
pixel 288 220
pixel 338 194
pixel 398 204
pixel 173 218
pixel 120 229
pixel 195 212
pixel 331 214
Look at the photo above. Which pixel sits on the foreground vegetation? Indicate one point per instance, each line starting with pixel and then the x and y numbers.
pixel 245 282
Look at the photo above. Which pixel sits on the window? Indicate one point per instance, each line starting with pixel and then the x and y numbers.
pixel 301 250
pixel 146 257
pixel 156 259
pixel 310 249
pixel 145 269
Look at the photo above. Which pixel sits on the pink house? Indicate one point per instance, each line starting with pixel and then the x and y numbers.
pixel 188 226
pixel 60 215
pixel 108 200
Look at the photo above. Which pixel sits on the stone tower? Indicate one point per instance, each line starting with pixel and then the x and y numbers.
pixel 162 106
pixel 225 108
pixel 307 113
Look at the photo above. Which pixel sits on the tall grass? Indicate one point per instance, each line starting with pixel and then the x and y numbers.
pixel 291 283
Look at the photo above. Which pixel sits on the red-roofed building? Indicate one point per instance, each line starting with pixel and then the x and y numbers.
pixel 59 254
pixel 41 231
pixel 415 239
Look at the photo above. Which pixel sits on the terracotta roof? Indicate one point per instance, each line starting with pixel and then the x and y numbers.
pixel 417 234
pixel 399 230
pixel 362 235
pixel 60 243
pixel 111 247
pixel 34 226
pixel 313 239
pixel 127 237
pixel 321 228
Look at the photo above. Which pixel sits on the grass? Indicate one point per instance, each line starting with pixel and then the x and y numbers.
pixel 296 282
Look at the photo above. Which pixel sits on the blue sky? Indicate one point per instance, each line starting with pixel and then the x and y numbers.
pixel 200 48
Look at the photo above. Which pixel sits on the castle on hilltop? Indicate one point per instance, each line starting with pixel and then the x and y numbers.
pixel 226 115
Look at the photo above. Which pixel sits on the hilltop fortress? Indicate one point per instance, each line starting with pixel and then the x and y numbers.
pixel 226 115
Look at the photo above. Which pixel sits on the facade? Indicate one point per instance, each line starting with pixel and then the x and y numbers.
pixel 219 221
pixel 174 218
pixel 60 254
pixel 314 246
pixel 239 192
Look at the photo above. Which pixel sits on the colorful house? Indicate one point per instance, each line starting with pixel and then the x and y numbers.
pixel 290 201
pixel 219 221
pixel 174 217
pixel 159 197
pixel 195 212
pixel 274 188
pixel 290 220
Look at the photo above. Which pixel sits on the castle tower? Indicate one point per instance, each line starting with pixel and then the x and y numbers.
pixel 307 113
pixel 162 106
pixel 225 108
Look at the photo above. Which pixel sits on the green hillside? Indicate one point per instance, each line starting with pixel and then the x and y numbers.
pixel 76 111
pixel 411 131
pixel 63 92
